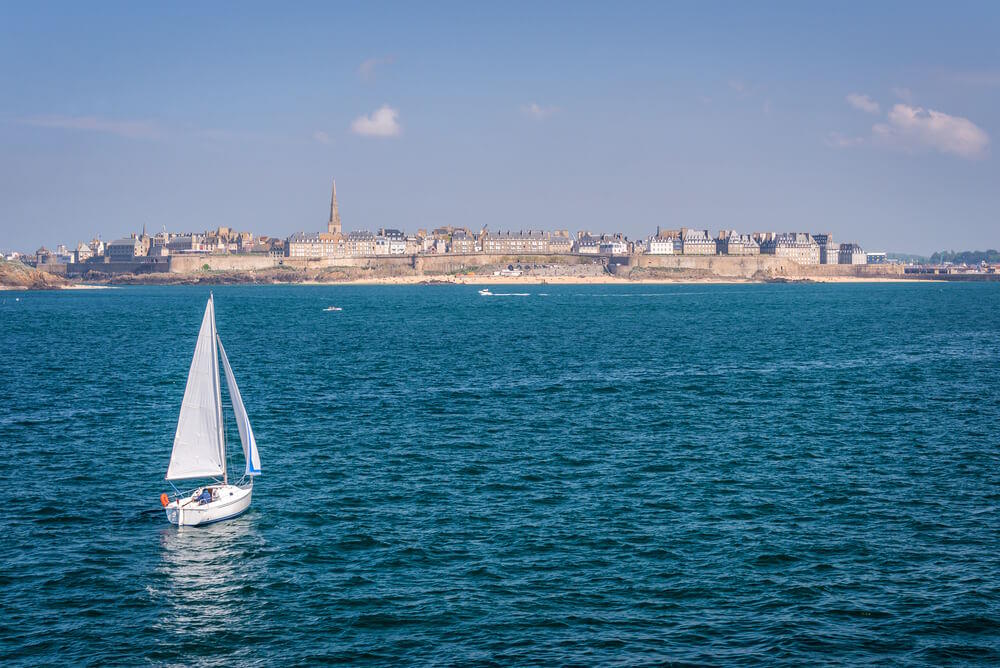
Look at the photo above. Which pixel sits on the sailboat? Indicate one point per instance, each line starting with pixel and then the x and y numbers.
pixel 200 440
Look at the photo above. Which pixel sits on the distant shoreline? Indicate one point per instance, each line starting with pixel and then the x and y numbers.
pixel 481 281
pixel 591 280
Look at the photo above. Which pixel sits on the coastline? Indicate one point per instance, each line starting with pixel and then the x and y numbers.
pixel 591 280
pixel 443 279
pixel 181 279
pixel 15 277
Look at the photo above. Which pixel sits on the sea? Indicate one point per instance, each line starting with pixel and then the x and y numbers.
pixel 767 474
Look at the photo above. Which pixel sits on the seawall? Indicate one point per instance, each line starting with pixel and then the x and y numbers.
pixel 757 267
pixel 634 267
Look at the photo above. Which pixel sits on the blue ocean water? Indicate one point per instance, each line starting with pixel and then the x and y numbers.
pixel 741 474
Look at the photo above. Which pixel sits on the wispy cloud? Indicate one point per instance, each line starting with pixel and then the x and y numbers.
pixel 537 111
pixel 321 137
pixel 912 128
pixel 738 86
pixel 383 122
pixel 130 129
pixel 863 102
pixel 366 70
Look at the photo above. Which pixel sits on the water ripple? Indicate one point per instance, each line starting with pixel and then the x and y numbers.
pixel 761 474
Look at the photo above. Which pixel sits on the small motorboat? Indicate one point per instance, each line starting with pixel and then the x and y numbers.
pixel 332 308
pixel 486 292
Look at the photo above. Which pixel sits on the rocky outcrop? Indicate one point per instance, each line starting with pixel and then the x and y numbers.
pixel 20 276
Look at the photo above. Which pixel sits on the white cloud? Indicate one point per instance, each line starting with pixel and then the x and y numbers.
pixel 863 102
pixel 912 128
pixel 839 140
pixel 127 129
pixel 903 94
pixel 383 122
pixel 538 112
pixel 366 70
pixel 321 137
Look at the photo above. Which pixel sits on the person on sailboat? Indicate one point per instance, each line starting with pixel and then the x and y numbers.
pixel 200 442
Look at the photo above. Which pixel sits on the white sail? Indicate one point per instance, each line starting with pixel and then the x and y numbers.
pixel 199 451
pixel 242 419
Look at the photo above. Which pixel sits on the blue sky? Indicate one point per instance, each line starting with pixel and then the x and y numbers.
pixel 875 121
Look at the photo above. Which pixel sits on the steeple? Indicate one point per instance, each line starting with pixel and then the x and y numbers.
pixel 333 227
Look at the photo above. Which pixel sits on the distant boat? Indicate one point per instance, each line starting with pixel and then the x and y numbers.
pixel 333 308
pixel 486 292
pixel 200 440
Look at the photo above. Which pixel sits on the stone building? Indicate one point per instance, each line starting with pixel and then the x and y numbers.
pixel 82 253
pixel 696 242
pixel 513 243
pixel 731 242
pixel 127 249
pixel 462 241
pixel 588 244
pixel 615 246
pixel 96 247
pixel 313 245
pixel 390 242
pixel 185 243
pixel 851 254
pixel 828 250
pixel 606 244
pixel 797 246
pixel 560 242
pixel 360 243
pixel 657 245
pixel 412 244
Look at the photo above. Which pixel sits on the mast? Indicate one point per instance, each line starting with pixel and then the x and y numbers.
pixel 218 392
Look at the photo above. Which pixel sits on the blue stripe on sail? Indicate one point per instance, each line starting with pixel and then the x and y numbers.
pixel 251 446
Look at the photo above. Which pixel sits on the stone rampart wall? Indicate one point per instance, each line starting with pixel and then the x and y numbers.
pixel 147 266
pixel 723 266
pixel 750 266
pixel 186 264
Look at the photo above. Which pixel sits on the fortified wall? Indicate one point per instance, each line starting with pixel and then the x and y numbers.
pixel 743 267
pixel 751 267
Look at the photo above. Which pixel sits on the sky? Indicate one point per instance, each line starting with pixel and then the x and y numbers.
pixel 878 122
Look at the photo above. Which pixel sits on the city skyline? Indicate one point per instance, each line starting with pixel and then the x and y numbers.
pixel 766 118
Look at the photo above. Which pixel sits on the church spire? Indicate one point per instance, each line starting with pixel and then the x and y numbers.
pixel 333 227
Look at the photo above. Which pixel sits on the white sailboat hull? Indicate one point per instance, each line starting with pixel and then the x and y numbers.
pixel 228 502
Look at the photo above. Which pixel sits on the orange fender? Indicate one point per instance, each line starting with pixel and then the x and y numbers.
pixel 164 499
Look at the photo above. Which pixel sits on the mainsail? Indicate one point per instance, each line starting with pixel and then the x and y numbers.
pixel 199 450
pixel 242 420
